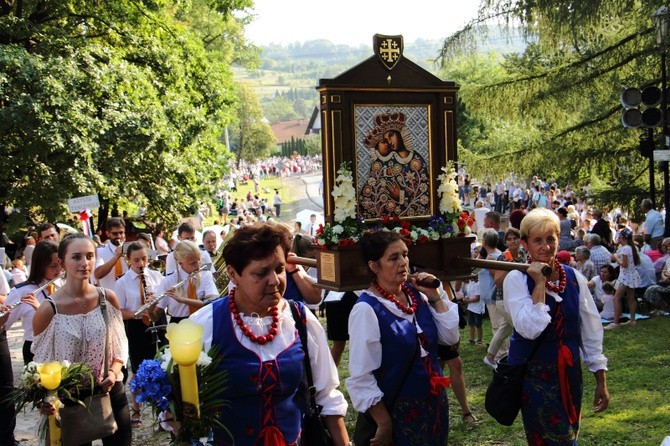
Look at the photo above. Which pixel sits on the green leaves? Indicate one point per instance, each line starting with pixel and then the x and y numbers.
pixel 554 109
pixel 117 98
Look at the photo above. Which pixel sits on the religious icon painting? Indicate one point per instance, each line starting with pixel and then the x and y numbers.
pixel 393 161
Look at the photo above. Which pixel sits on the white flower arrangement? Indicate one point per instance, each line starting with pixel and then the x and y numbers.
pixel 347 228
pixel 448 190
pixel 344 195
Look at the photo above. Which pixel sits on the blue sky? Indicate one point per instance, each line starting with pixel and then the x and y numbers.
pixel 353 22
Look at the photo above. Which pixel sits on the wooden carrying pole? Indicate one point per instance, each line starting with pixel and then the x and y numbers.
pixel 466 261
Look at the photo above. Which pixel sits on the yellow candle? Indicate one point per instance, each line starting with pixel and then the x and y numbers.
pixel 50 378
pixel 185 345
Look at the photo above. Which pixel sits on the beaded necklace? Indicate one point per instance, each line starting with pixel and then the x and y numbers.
pixel 263 339
pixel 411 309
pixel 562 279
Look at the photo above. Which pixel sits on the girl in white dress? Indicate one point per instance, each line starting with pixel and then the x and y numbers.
pixel 70 326
pixel 629 279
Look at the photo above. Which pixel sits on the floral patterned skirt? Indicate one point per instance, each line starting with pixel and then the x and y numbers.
pixel 421 422
pixel 544 417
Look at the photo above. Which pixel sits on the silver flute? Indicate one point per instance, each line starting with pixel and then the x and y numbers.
pixel 155 301
pixel 16 304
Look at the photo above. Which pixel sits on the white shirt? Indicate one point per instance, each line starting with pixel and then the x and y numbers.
pixel 127 288
pixel 365 348
pixel 104 254
pixel 4 285
pixel 162 246
pixel 171 264
pixel 472 290
pixel 205 288
pixel 530 319
pixel 324 372
pixel 25 312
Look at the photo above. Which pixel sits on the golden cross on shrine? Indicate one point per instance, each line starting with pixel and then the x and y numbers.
pixel 389 50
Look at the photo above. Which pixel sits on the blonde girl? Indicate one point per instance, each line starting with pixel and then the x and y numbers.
pixel 188 298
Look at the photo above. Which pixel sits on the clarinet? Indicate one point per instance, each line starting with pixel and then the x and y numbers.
pixel 143 281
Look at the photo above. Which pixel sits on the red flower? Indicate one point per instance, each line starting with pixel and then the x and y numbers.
pixel 412 415
pixel 346 242
pixel 385 219
pixel 404 233
pixel 405 225
pixel 555 420
pixel 423 239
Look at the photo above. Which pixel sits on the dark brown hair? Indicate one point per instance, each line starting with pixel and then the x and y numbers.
pixel 374 244
pixel 41 259
pixel 255 242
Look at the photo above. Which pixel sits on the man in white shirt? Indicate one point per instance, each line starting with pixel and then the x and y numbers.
pixel 110 263
pixel 312 226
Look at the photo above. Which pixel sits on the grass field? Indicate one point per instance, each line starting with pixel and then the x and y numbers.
pixel 638 381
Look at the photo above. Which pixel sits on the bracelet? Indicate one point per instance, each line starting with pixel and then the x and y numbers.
pixel 290 273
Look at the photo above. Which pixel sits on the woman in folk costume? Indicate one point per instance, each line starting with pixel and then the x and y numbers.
pixel 396 380
pixel 557 315
pixel 255 331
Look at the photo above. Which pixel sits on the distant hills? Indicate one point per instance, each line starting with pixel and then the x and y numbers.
pixel 290 72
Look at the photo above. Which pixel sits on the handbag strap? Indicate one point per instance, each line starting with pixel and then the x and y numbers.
pixel 302 332
pixel 102 300
pixel 538 340
pixel 405 374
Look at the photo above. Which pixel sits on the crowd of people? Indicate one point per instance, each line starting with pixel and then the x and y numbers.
pixel 396 381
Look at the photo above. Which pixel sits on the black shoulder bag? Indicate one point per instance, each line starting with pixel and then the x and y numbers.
pixel 503 396
pixel 314 432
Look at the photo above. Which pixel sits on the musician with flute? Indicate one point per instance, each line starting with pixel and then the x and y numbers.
pixel 188 297
pixel 25 298
pixel 134 289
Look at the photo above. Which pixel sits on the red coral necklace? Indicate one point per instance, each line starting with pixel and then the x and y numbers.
pixel 562 279
pixel 411 309
pixel 263 339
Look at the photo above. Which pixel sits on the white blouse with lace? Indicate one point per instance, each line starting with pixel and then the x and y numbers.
pixel 81 338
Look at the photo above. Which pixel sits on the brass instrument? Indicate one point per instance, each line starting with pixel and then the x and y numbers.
pixel 221 278
pixel 157 265
pixel 16 304
pixel 154 302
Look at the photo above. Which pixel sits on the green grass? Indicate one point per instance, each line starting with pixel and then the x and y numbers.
pixel 638 382
pixel 270 184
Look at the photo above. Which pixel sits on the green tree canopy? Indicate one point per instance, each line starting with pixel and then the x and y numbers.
pixel 554 109
pixel 125 99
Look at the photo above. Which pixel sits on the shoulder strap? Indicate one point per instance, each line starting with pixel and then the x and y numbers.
pixel 538 340
pixel 302 332
pixel 393 397
pixel 53 304
pixel 102 300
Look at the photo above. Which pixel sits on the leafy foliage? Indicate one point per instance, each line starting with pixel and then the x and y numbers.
pixel 554 109
pixel 124 99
